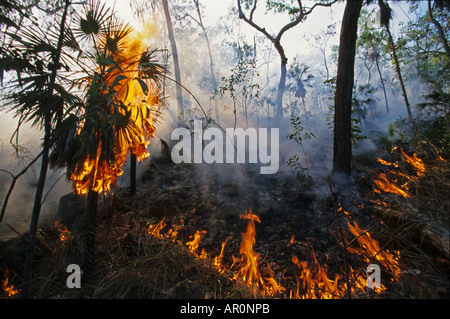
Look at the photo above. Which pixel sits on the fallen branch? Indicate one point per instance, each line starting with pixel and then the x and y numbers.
pixel 429 229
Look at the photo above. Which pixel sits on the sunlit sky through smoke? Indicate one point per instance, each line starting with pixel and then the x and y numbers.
pixel 215 11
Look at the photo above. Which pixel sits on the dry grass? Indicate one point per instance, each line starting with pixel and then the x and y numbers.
pixel 130 264
pixel 408 225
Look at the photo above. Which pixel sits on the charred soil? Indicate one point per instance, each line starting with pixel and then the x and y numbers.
pixel 142 248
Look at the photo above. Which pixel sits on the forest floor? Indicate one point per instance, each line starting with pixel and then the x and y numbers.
pixel 294 220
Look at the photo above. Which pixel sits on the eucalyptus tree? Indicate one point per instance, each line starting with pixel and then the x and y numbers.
pixel 342 149
pixel 176 61
pixel 373 42
pixel 197 18
pixel 297 13
pixel 321 42
pixel 443 6
pixel 422 48
pixel 385 19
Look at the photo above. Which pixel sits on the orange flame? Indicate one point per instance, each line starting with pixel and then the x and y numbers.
pixel 382 161
pixel 415 162
pixel 314 283
pixel 8 289
pixel 64 233
pixel 100 175
pixel 249 267
pixel 174 231
pixel 195 242
pixel 384 185
pixel 155 229
pixel 218 259
pixel 370 249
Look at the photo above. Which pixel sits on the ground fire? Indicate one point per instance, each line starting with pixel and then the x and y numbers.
pixel 7 287
pixel 311 278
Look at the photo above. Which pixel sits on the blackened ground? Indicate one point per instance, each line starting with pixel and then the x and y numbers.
pixel 130 264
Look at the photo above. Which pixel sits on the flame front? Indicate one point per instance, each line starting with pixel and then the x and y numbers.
pixel 312 278
pixel 415 162
pixel 313 283
pixel 370 249
pixel 384 185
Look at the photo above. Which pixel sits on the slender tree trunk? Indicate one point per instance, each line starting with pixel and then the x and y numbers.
pixel 205 34
pixel 382 83
pixel 304 105
pixel 45 154
pixel 439 29
pixel 211 63
pixel 176 64
pixel 325 63
pixel 344 88
pixel 133 160
pixel 89 249
pixel 282 83
pixel 369 71
pixel 400 77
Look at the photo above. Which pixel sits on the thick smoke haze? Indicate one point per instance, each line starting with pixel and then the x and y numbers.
pixel 20 204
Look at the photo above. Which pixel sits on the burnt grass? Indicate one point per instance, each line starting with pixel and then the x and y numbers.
pixel 132 264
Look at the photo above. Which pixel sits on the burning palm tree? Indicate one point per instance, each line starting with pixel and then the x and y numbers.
pixel 121 100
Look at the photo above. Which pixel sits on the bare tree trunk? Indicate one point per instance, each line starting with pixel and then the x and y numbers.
pixel 439 28
pixel 45 154
pixel 176 64
pixel 282 83
pixel 382 83
pixel 211 64
pixel 342 154
pixel 400 77
pixel 326 63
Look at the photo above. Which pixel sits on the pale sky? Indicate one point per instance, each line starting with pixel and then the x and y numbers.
pixel 293 40
pixel 214 10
